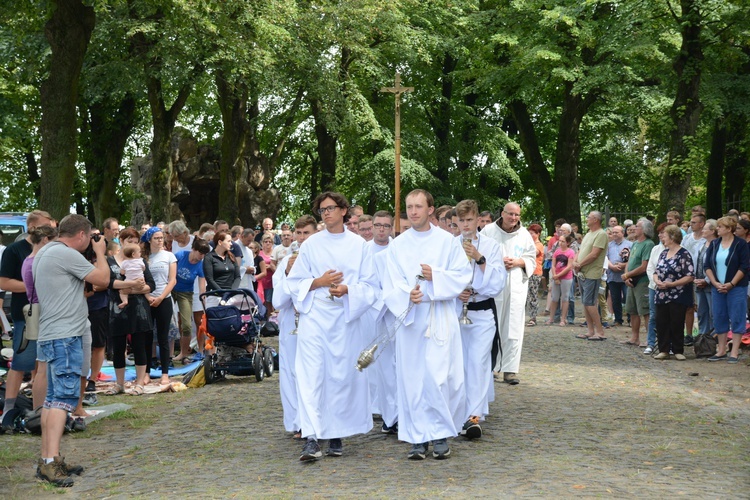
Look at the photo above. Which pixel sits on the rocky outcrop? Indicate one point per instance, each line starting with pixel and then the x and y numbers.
pixel 195 185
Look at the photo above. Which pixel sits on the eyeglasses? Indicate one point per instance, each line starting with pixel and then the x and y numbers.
pixel 158 238
pixel 382 226
pixel 323 210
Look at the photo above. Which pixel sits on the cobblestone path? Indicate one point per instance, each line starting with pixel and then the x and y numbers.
pixel 588 419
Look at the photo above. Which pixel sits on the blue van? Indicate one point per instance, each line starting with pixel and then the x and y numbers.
pixel 12 224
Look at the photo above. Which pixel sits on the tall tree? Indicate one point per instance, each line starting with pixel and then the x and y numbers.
pixel 68 32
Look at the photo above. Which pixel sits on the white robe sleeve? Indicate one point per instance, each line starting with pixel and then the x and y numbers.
pixel 282 298
pixel 397 288
pixel 492 281
pixel 361 293
pixel 528 255
pixel 448 283
pixel 300 281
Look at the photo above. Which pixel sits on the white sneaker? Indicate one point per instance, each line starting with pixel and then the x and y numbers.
pixel 648 350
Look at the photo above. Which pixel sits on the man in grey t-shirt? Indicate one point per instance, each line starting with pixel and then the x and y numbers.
pixel 59 274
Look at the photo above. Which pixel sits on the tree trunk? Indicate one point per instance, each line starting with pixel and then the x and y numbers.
pixel 440 119
pixel 685 112
pixel 736 159
pixel 105 133
pixel 326 148
pixel 68 32
pixel 715 172
pixel 232 99
pixel 559 193
pixel 565 202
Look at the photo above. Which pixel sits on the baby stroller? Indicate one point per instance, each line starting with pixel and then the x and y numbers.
pixel 233 327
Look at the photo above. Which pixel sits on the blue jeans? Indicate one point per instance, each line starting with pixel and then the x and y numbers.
pixel 64 359
pixel 651 337
pixel 730 309
pixel 705 321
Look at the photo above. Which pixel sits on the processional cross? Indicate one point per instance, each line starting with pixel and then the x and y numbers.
pixel 398 90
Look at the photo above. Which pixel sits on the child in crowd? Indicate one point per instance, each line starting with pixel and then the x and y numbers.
pixel 132 267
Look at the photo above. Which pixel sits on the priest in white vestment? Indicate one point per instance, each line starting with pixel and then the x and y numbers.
pixel 429 361
pixel 520 261
pixel 282 302
pixel 488 279
pixel 331 287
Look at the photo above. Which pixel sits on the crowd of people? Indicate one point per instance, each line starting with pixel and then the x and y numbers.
pixel 401 301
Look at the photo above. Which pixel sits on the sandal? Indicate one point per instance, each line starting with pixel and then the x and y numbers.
pixel 549 322
pixel 137 390
pixel 563 323
pixel 531 322
pixel 113 391
pixel 583 336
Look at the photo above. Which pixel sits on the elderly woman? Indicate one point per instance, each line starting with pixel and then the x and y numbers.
pixel 181 237
pixel 163 267
pixel 674 294
pixel 702 286
pixel 726 263
pixel 134 320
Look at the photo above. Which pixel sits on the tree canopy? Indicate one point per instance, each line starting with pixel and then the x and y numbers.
pixel 563 106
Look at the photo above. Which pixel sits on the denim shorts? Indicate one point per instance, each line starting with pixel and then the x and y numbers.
pixel 64 358
pixel 22 361
pixel 729 310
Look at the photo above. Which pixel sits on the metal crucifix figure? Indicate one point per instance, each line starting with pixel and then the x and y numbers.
pixel 397 89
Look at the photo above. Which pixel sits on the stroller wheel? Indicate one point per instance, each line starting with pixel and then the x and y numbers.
pixel 258 366
pixel 208 367
pixel 268 361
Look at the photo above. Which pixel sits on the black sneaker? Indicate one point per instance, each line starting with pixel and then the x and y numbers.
pixel 90 399
pixel 90 386
pixel 335 448
pixel 471 429
pixel 311 451
pixel 689 341
pixel 389 430
pixel 440 450
pixel 418 451
pixel 9 419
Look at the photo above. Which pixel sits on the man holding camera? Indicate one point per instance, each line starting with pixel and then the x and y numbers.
pixel 59 271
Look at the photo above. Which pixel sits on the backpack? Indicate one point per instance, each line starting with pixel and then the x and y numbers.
pixel 704 346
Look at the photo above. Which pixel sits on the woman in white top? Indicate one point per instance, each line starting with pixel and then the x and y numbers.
pixel 163 267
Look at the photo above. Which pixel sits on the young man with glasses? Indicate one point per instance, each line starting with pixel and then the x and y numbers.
pixel 331 285
pixel 381 375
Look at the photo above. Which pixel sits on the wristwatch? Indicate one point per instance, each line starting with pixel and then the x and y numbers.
pixel 481 260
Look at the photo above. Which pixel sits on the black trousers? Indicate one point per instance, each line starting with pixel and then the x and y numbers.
pixel 162 316
pixel 670 325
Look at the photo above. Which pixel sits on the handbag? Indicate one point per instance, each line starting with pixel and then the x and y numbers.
pixel 31 314
pixel 704 346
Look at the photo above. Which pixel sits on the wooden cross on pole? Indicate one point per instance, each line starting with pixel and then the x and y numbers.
pixel 397 89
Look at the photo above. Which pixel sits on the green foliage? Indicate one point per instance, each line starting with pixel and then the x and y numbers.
pixel 467 60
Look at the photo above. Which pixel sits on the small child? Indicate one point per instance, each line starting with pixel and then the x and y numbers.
pixel 132 267
pixel 113 248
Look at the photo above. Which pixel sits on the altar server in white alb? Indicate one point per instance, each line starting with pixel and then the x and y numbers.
pixel 429 361
pixel 282 302
pixel 519 256
pixel 382 373
pixel 488 279
pixel 331 287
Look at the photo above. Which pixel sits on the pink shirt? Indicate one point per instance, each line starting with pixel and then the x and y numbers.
pixel 562 259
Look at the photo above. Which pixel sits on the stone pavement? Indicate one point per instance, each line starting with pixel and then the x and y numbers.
pixel 588 419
